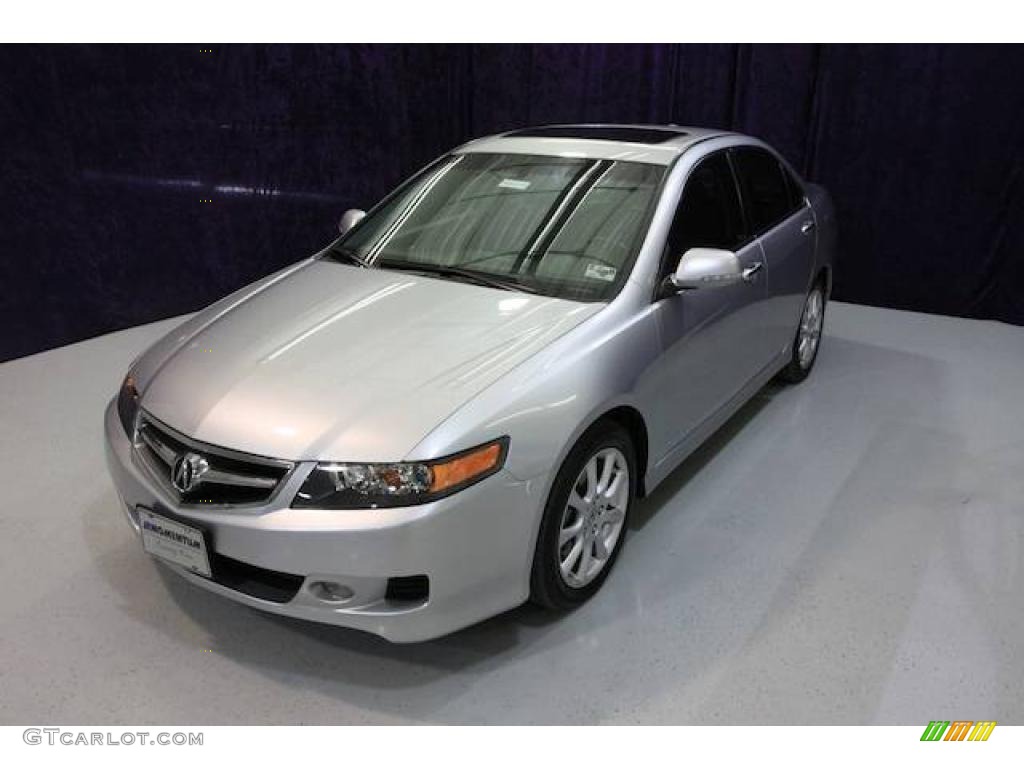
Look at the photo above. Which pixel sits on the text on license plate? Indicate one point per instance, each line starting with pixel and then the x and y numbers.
pixel 180 544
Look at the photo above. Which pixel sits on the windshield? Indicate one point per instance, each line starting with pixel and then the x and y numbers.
pixel 563 226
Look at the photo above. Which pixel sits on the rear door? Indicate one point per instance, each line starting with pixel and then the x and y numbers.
pixel 781 218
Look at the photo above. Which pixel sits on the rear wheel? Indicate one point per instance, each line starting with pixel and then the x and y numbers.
pixel 585 518
pixel 808 337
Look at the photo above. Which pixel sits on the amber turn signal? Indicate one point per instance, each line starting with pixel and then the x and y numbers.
pixel 461 469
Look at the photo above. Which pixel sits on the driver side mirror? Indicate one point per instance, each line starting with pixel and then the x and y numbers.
pixel 349 219
pixel 704 268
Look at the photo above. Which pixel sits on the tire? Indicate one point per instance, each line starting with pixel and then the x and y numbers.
pixel 602 525
pixel 810 327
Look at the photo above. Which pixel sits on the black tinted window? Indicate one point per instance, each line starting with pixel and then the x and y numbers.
pixel 709 212
pixel 765 191
pixel 796 190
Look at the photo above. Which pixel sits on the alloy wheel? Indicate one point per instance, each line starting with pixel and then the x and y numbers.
pixel 810 328
pixel 593 517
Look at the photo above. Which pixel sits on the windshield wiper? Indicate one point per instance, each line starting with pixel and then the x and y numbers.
pixel 347 255
pixel 509 283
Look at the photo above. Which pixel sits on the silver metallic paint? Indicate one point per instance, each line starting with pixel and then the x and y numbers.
pixel 349 364
pixel 349 219
pixel 709 268
pixel 324 361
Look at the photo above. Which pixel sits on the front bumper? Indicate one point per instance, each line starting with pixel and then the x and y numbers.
pixel 475 547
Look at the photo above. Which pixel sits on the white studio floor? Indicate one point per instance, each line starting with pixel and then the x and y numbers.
pixel 847 551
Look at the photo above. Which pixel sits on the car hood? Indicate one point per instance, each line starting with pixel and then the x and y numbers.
pixel 342 363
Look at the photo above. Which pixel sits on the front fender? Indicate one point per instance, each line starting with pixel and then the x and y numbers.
pixel 546 403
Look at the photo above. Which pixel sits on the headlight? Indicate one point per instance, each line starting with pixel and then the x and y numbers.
pixel 128 404
pixel 354 486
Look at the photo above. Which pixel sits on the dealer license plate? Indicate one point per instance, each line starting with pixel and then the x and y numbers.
pixel 173 541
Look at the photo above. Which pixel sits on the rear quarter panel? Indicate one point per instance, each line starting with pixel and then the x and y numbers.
pixel 827 241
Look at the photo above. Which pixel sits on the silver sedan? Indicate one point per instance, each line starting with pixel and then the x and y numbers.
pixel 454 407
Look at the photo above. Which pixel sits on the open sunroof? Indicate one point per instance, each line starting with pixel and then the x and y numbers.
pixel 602 133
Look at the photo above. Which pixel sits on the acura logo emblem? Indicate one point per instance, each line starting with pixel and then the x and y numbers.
pixel 188 470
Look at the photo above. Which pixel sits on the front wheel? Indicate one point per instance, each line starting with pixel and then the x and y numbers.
pixel 808 337
pixel 585 518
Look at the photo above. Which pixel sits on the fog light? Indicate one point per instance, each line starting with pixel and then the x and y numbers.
pixel 331 591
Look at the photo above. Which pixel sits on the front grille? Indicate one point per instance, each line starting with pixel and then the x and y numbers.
pixel 229 477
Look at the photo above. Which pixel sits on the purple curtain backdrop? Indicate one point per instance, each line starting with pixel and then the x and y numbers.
pixel 109 152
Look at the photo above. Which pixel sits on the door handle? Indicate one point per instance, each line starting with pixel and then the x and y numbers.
pixel 750 272
pixel 807 227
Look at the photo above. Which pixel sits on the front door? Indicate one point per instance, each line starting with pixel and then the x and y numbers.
pixel 713 339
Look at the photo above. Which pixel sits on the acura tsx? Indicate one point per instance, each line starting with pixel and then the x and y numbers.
pixel 454 407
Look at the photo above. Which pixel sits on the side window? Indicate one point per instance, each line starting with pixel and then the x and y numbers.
pixel 796 190
pixel 766 192
pixel 709 214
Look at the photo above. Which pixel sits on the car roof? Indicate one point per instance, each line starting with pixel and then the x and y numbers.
pixel 657 144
